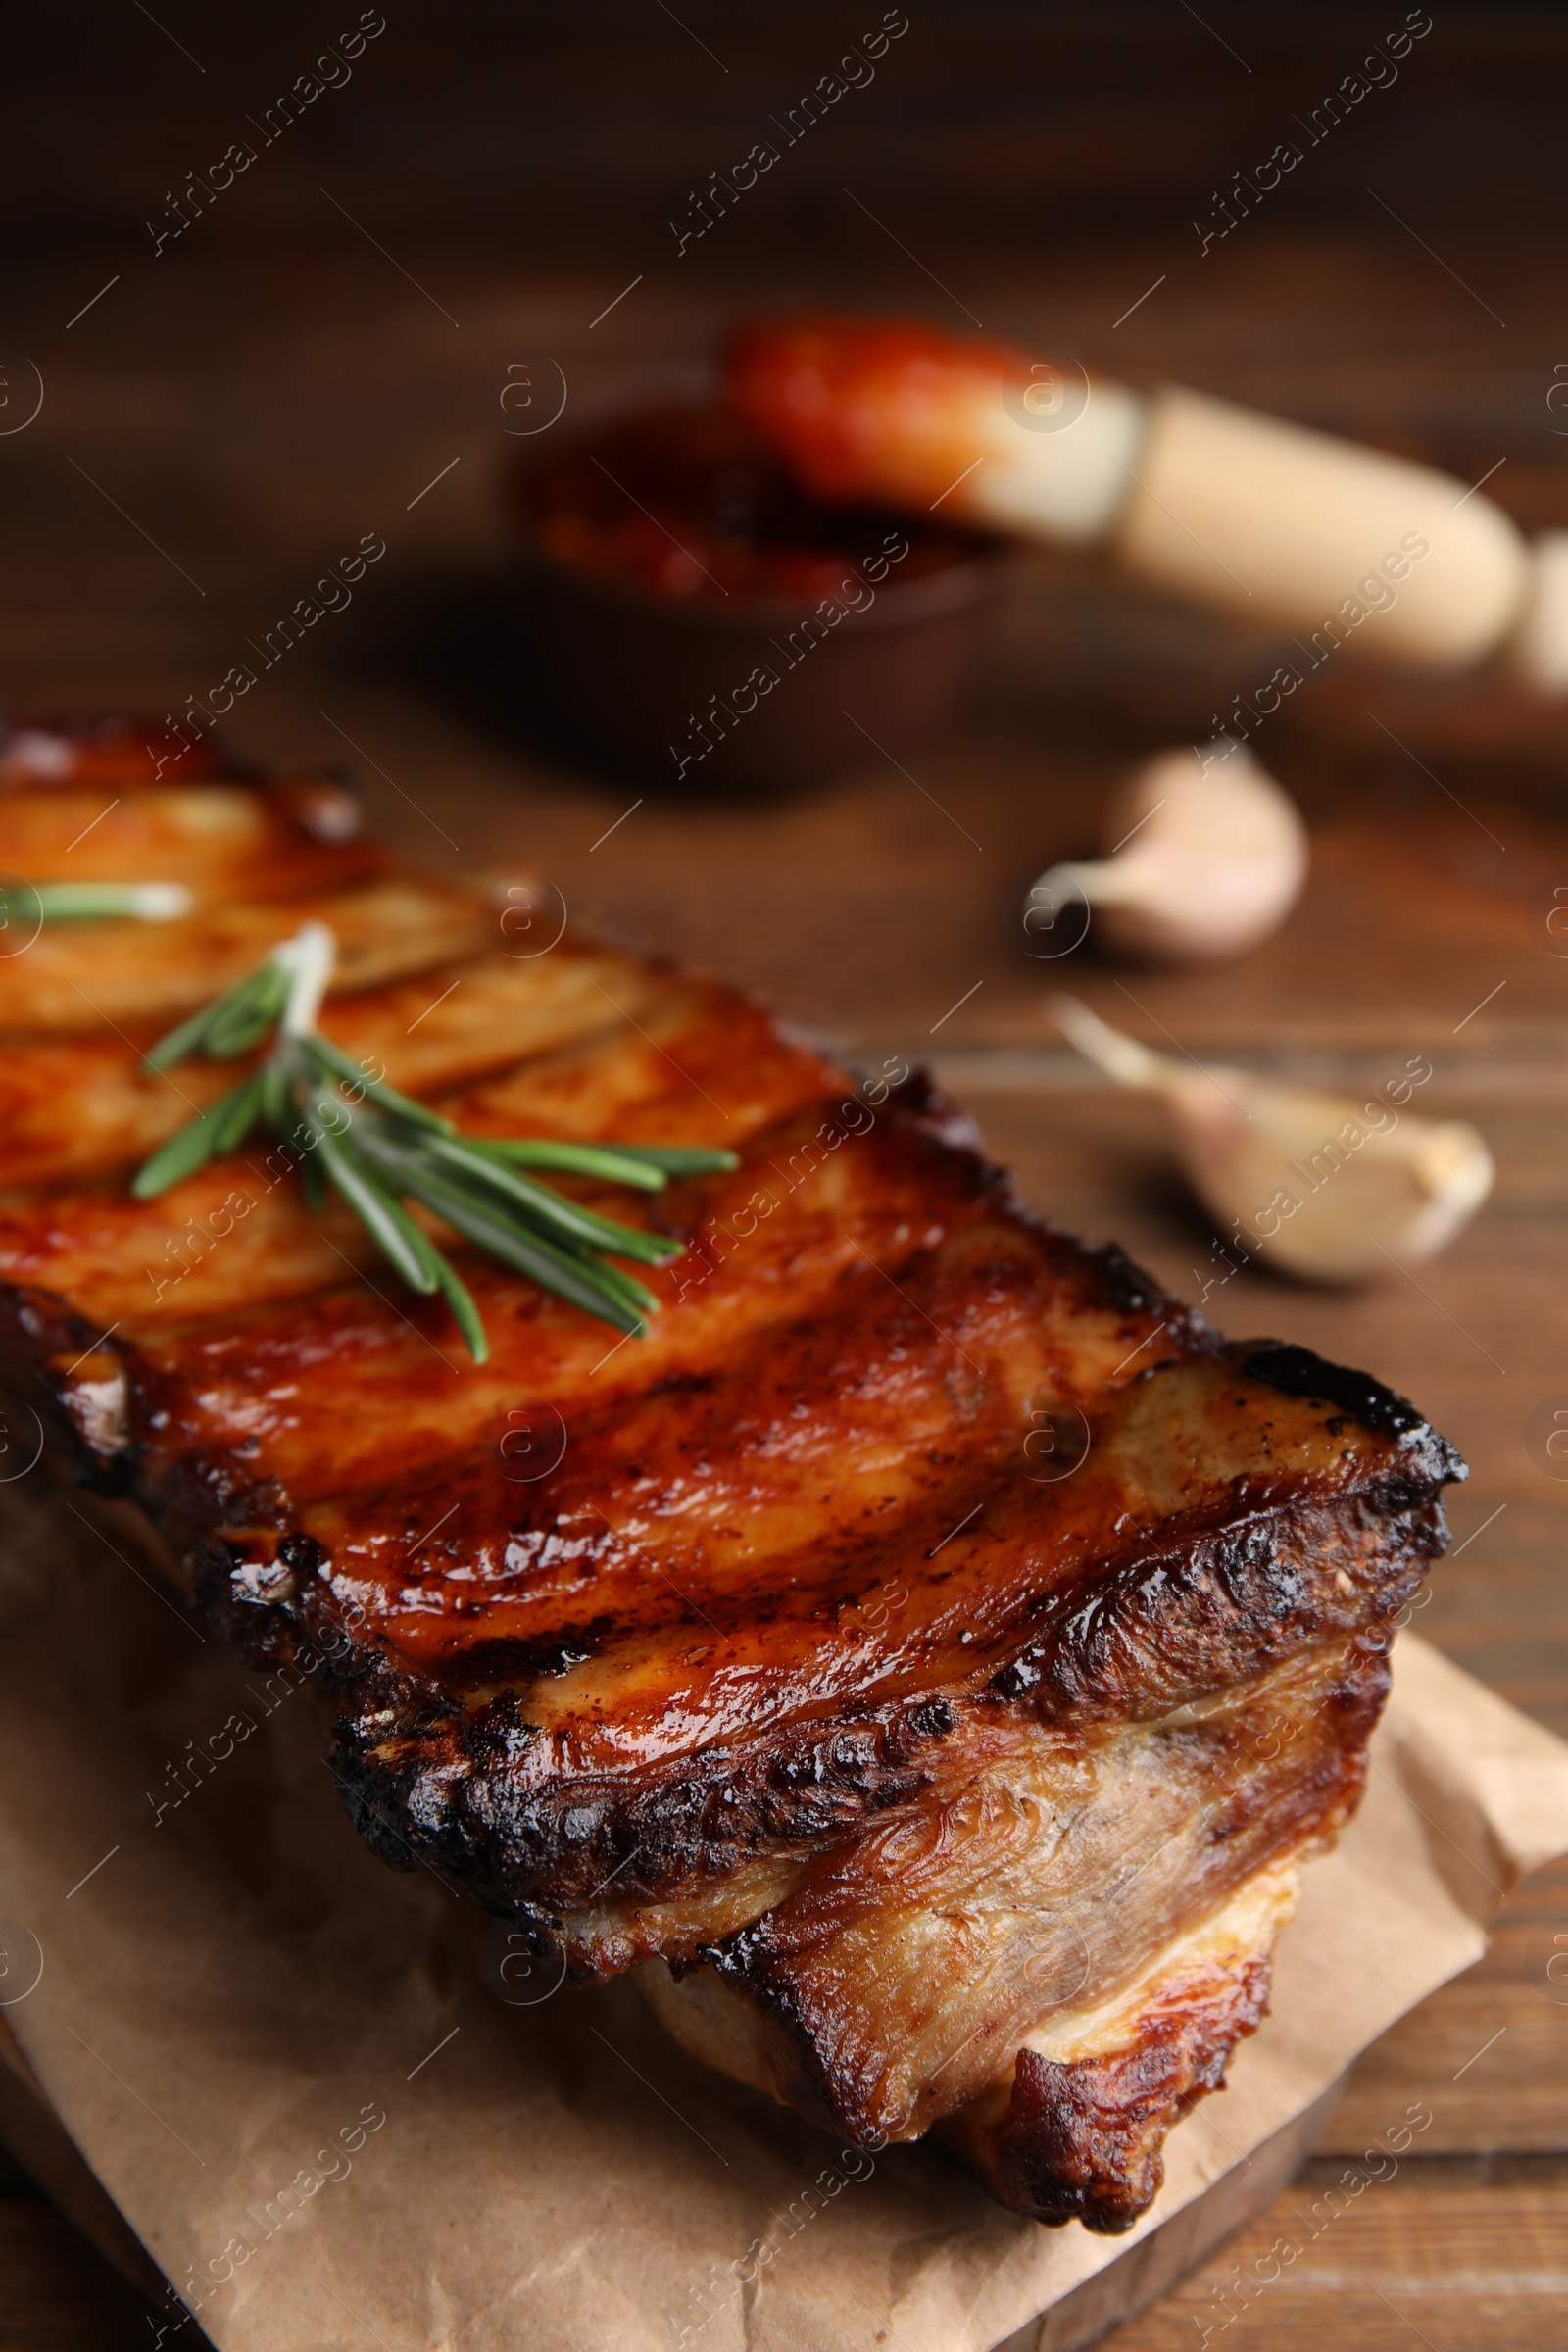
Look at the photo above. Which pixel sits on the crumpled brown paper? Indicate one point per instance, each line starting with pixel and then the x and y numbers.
pixel 338 2116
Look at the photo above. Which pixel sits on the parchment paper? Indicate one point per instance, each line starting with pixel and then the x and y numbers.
pixel 293 2072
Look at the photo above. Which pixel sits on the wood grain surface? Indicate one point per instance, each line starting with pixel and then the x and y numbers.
pixel 323 353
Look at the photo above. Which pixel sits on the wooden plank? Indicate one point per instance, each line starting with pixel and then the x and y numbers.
pixel 1487 2054
pixel 1455 2252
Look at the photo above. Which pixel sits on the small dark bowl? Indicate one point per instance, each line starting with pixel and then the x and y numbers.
pixel 669 686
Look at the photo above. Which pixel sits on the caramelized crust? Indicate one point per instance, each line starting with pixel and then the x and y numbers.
pixel 919 1632
pixel 224 840
pixel 1073 2130
pixel 893 1977
pixel 164 971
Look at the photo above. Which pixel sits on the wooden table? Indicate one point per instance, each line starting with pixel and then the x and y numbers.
pixel 216 430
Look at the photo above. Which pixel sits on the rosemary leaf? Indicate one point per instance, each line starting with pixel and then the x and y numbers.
pixel 563 1216
pixel 640 1301
pixel 383 1217
pixel 239 1011
pixel 648 1166
pixel 453 1290
pixel 278 1101
pixel 679 1160
pixel 570 1274
pixel 24 902
pixel 190 1147
pixel 581 1281
pixel 100 902
pixel 463 1312
pixel 234 1117
pixel 608 1162
pixel 182 1041
pixel 380 1151
pixel 340 1064
pixel 447 1182
pixel 245 1014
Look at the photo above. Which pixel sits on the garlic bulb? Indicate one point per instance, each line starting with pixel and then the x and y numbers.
pixel 1208 857
pixel 1334 1188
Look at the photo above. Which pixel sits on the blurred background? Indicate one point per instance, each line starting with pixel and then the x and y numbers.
pixel 326 338
pixel 238 386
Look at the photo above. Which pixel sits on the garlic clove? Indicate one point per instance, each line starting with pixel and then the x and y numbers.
pixel 1332 1188
pixel 1208 857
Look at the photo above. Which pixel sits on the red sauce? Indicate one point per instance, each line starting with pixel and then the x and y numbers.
pixel 688 503
pixel 857 404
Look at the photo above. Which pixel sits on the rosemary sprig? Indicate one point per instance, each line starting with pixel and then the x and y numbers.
pixel 378 1150
pixel 93 901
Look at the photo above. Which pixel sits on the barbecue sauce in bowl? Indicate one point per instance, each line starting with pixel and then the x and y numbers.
pixel 686 505
pixel 692 615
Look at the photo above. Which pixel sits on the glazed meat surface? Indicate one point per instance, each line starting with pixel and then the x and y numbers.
pixel 910 1647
